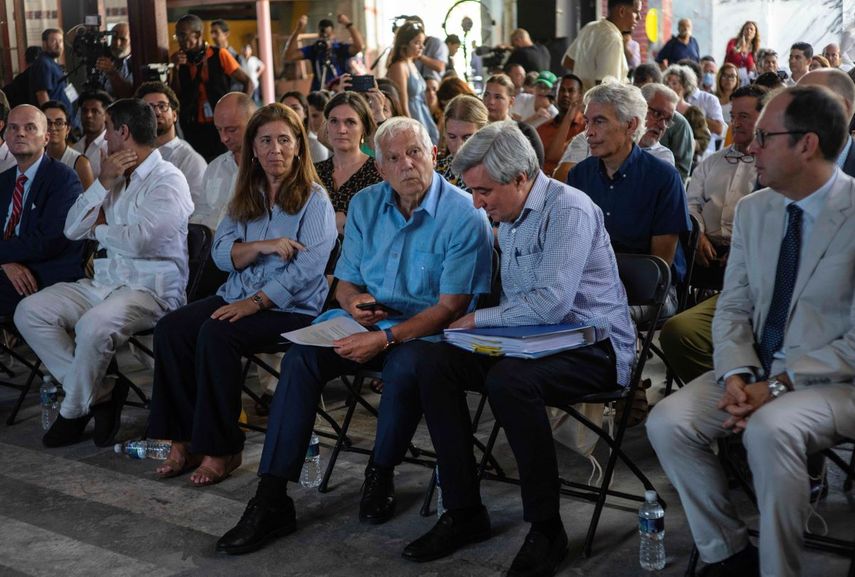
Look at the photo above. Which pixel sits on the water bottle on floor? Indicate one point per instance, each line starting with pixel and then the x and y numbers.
pixel 311 474
pixel 49 393
pixel 651 530
pixel 145 449
pixel 440 508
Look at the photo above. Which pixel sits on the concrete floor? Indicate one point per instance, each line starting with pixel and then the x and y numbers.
pixel 84 511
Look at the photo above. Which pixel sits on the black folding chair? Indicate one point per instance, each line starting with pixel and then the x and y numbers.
pixel 7 324
pixel 646 279
pixel 200 239
pixel 733 460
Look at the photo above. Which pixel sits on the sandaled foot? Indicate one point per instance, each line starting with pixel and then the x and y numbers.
pixel 178 462
pixel 215 469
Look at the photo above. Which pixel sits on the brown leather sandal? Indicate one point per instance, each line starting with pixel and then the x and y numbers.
pixel 177 468
pixel 232 463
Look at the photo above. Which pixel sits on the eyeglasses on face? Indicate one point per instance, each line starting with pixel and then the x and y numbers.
pixel 761 135
pixel 160 106
pixel 58 123
pixel 660 116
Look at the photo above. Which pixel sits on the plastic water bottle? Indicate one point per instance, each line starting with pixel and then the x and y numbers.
pixel 440 508
pixel 311 475
pixel 651 530
pixel 145 449
pixel 49 394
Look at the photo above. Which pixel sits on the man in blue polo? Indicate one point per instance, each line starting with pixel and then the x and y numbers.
pixel 47 79
pixel 416 244
pixel 642 197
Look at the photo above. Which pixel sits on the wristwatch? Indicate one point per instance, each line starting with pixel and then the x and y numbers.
pixel 258 300
pixel 777 388
pixel 390 339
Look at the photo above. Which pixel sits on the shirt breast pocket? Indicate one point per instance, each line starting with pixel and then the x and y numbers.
pixel 425 273
pixel 526 266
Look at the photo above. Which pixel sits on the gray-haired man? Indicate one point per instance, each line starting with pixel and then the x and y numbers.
pixel 557 267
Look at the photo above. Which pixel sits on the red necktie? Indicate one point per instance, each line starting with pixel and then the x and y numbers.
pixel 17 205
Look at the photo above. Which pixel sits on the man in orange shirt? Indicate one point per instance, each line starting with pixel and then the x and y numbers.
pixel 202 75
pixel 557 133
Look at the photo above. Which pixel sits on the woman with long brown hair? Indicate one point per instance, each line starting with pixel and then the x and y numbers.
pixel 408 46
pixel 742 51
pixel 274 242
pixel 349 169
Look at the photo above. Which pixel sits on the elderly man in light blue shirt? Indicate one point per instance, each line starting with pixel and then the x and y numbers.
pixel 415 244
pixel 557 267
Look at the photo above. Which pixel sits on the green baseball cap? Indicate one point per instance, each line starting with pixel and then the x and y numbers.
pixel 546 78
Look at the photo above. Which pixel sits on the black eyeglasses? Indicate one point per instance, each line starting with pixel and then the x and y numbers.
pixel 761 135
pixel 58 123
pixel 160 106
pixel 659 116
pixel 733 156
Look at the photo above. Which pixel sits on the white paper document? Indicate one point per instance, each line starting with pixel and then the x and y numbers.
pixel 323 334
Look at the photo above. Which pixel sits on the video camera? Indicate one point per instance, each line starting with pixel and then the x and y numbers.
pixel 89 45
pixel 493 57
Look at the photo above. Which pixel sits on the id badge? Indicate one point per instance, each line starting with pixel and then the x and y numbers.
pixel 206 109
pixel 71 93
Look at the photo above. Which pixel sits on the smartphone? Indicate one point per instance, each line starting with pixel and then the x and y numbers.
pixel 362 83
pixel 375 306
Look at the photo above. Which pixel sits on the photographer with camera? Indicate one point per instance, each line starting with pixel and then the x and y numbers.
pixel 329 58
pixel 202 75
pixel 47 79
pixel 115 65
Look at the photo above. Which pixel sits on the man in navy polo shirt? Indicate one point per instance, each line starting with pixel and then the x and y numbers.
pixel 681 46
pixel 47 79
pixel 642 197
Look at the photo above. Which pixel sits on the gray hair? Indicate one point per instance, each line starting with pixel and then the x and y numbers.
pixel 650 91
pixel 627 101
pixel 502 148
pixel 687 77
pixel 395 126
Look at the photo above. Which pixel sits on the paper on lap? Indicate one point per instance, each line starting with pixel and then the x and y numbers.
pixel 324 333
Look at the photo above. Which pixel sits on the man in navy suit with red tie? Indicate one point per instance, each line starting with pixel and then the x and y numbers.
pixel 35 197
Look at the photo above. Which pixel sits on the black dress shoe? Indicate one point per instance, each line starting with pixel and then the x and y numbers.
pixel 108 415
pixel 65 431
pixel 378 495
pixel 453 530
pixel 539 555
pixel 259 524
pixel 746 563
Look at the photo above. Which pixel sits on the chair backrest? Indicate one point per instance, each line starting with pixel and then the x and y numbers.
pixel 200 238
pixel 689 241
pixel 329 271
pixel 646 279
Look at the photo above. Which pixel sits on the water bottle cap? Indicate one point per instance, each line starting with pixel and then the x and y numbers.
pixel 650 496
pixel 117 448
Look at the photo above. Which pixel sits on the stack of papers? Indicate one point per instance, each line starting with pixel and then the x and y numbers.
pixel 526 342
pixel 325 333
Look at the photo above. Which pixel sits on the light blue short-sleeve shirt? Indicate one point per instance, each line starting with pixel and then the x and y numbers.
pixel 445 247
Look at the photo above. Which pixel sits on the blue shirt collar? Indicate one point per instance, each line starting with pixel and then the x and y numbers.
pixel 429 202
pixel 841 158
pixel 536 199
pixel 30 173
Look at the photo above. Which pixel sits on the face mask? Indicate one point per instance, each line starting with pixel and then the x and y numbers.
pixel 709 78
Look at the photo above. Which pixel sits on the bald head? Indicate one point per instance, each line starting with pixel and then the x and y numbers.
pixel 231 116
pixel 832 54
pixel 26 134
pixel 837 81
pixel 520 38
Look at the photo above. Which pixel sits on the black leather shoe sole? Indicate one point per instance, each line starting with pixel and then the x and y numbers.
pixel 259 542
pixel 108 415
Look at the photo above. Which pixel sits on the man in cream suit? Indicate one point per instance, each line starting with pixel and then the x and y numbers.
pixel 784 331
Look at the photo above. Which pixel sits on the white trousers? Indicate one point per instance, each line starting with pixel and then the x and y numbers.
pixel 778 438
pixel 76 328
